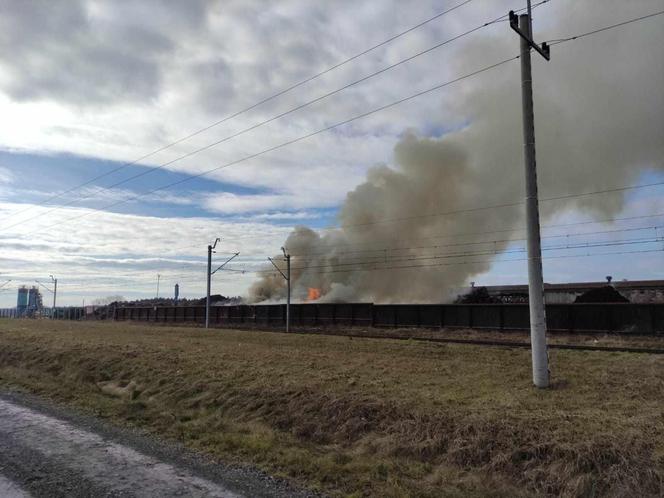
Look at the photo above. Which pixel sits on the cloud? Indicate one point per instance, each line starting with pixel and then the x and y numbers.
pixel 110 252
pixel 80 53
pixel 581 148
pixel 280 215
pixel 116 80
pixel 123 195
pixel 230 203
pixel 6 176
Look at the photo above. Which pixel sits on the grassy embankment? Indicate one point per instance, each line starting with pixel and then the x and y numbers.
pixel 363 416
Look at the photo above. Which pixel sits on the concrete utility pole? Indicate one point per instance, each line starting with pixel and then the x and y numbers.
pixel 55 293
pixel 523 26
pixel 210 249
pixel 287 277
pixel 158 279
pixel 288 281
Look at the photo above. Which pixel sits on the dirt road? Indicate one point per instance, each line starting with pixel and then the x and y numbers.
pixel 52 454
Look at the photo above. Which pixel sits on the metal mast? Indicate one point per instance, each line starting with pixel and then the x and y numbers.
pixel 287 277
pixel 210 249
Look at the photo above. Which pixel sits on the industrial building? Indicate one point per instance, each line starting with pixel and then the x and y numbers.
pixel 29 301
pixel 637 291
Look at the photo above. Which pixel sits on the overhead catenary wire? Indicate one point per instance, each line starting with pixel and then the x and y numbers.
pixel 467 254
pixel 189 277
pixel 474 262
pixel 481 242
pixel 379 258
pixel 242 272
pixel 484 232
pixel 199 265
pixel 497 206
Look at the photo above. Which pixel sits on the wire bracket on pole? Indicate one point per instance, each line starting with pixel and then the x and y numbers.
pixel 226 262
pixel 278 269
pixel 50 290
pixel 544 50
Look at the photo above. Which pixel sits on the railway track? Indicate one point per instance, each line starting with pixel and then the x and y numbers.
pixel 451 340
pixel 484 342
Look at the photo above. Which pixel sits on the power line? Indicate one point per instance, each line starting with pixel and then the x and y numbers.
pixel 184 272
pixel 264 122
pixel 257 125
pixel 493 206
pixel 360 116
pixel 255 105
pixel 605 28
pixel 284 144
pixel 504 230
pixel 186 277
pixel 485 232
pixel 457 244
pixel 446 236
pixel 336 267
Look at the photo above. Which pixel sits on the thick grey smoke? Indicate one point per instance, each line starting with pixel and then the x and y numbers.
pixel 433 176
pixel 599 109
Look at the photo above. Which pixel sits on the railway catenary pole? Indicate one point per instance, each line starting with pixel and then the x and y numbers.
pixel 55 294
pixel 540 363
pixel 221 266
pixel 210 249
pixel 287 278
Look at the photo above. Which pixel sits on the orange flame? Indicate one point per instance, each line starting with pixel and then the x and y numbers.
pixel 313 294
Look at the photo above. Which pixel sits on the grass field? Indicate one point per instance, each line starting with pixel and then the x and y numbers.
pixel 362 417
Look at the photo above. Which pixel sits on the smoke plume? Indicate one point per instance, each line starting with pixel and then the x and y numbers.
pixel 599 110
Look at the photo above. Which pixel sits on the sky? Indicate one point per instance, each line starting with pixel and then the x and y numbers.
pixel 92 91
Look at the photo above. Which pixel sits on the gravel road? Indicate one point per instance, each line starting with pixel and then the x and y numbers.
pixel 47 451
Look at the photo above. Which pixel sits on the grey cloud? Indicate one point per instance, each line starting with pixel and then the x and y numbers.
pixel 213 83
pixel 78 53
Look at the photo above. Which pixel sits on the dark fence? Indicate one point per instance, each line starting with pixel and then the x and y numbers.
pixel 614 317
pixel 8 313
pixel 69 313
pixel 64 313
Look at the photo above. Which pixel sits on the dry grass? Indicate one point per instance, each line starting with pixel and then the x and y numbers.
pixel 363 417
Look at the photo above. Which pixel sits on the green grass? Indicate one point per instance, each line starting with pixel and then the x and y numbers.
pixel 362 417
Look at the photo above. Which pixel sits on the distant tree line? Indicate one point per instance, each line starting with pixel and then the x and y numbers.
pixel 215 300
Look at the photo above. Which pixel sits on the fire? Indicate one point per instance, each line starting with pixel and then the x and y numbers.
pixel 313 294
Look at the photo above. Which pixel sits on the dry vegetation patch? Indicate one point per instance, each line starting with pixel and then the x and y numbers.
pixel 363 416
